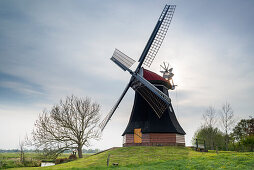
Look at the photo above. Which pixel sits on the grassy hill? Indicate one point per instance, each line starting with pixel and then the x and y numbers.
pixel 161 158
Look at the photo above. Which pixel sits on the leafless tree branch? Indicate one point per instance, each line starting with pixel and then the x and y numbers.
pixel 210 117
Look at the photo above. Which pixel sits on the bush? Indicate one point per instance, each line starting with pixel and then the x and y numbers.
pixel 15 164
pixel 62 160
pixel 212 136
pixel 72 157
pixel 249 142
pixel 32 163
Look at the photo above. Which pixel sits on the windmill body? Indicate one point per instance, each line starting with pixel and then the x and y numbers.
pixel 152 121
pixel 145 127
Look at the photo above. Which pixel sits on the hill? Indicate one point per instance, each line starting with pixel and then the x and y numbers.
pixel 161 158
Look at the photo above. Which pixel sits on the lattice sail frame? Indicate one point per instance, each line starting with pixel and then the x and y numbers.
pixel 168 12
pixel 158 105
pixel 122 60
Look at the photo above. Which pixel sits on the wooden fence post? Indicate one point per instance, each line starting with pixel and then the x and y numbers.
pixel 108 160
pixel 196 144
pixel 204 146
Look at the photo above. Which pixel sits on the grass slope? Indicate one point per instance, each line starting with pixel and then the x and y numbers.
pixel 162 158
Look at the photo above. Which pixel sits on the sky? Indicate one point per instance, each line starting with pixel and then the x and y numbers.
pixel 53 49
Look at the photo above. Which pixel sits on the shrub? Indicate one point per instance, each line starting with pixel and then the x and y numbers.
pixel 62 160
pixel 15 164
pixel 72 157
pixel 32 163
pixel 249 142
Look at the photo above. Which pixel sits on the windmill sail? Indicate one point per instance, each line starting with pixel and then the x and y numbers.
pixel 110 114
pixel 122 60
pixel 153 45
pixel 157 104
pixel 152 88
pixel 165 18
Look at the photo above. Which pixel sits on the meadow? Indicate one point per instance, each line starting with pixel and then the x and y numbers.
pixel 12 159
pixel 155 158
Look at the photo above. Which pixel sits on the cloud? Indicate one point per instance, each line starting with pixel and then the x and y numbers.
pixel 27 90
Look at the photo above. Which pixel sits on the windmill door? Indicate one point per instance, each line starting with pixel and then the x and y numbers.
pixel 137 136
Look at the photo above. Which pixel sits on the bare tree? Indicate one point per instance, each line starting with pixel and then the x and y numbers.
pixel 22 154
pixel 227 120
pixel 210 117
pixel 210 120
pixel 69 125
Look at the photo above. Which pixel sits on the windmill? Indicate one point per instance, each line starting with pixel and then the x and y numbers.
pixel 152 105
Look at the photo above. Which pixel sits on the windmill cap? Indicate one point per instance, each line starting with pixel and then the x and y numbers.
pixel 155 78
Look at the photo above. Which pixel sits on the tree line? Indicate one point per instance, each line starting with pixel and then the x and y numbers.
pixel 221 129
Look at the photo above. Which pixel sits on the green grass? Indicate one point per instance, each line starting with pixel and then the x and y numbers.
pixel 157 158
pixel 34 155
pixel 12 160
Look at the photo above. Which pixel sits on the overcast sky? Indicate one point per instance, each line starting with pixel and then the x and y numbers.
pixel 51 49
